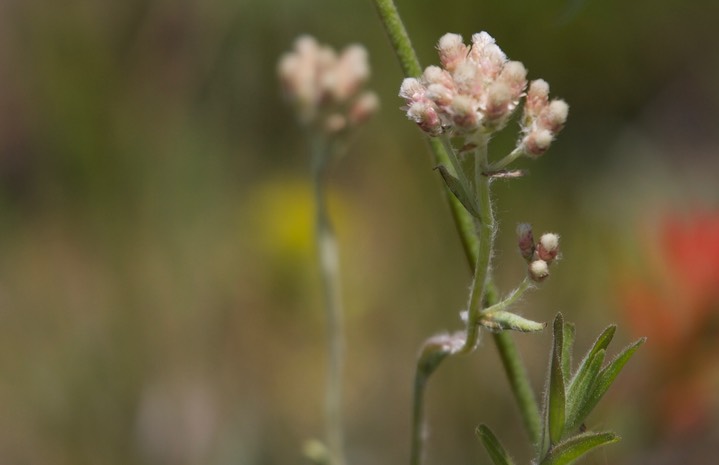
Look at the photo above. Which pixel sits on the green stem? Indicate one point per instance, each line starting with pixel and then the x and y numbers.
pixel 329 265
pixel 513 155
pixel 486 242
pixel 464 223
pixel 519 382
pixel 420 384
pixel 399 38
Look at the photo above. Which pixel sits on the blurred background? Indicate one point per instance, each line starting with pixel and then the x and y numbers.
pixel 159 298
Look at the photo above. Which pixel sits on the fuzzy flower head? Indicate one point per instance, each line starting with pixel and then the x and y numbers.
pixel 325 87
pixel 477 89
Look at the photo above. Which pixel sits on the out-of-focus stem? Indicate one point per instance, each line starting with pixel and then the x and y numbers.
pixel 329 266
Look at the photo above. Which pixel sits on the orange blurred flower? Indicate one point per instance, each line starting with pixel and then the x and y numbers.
pixel 676 305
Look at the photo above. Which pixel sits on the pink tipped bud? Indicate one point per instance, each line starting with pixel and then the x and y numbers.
pixel 425 115
pixel 463 112
pixel 487 55
pixel 514 75
pixel 548 247
pixel 452 51
pixel 537 142
pixel 363 108
pixel 537 98
pixel 412 90
pixel 525 240
pixel 436 75
pixel 335 123
pixel 467 80
pixel 554 116
pixel 439 94
pixel 538 270
pixel 351 71
pixel 499 98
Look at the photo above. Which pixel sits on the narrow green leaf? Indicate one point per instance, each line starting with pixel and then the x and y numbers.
pixel 575 447
pixel 557 395
pixel 494 448
pixel 500 320
pixel 567 347
pixel 581 389
pixel 459 190
pixel 601 343
pixel 606 377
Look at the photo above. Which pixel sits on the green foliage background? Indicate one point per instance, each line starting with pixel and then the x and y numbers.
pixel 159 300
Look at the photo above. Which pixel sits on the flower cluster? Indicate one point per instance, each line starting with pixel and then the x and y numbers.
pixel 477 89
pixel 538 255
pixel 325 87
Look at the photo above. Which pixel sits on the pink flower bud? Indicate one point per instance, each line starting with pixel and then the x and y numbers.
pixel 538 270
pixel 464 115
pixel 425 115
pixel 548 247
pixel 487 55
pixel 554 116
pixel 335 123
pixel 412 90
pixel 439 94
pixel 525 240
pixel 537 98
pixel 514 75
pixel 537 142
pixel 499 98
pixel 351 71
pixel 452 51
pixel 436 75
pixel 363 108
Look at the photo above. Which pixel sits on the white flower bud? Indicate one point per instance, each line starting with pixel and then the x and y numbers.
pixel 548 247
pixel 538 270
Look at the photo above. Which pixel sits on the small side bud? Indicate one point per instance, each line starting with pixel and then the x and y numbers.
pixel 548 247
pixel 363 108
pixel 525 240
pixel 537 98
pixel 335 123
pixel 538 270
pixel 537 142
pixel 554 116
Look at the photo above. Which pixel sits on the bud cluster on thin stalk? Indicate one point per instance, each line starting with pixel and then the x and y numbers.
pixel 325 89
pixel 538 255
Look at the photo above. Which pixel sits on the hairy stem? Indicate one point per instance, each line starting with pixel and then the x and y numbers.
pixel 519 382
pixel 465 224
pixel 329 265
